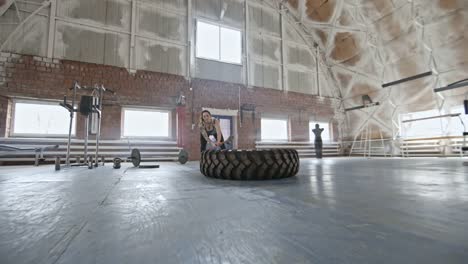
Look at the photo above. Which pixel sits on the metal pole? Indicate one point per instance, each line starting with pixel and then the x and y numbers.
pixel 51 37
pixel 352 145
pixel 72 114
pixel 99 114
pixel 133 28
pixel 86 139
pixel 366 139
pixel 319 93
pixel 189 39
pixel 282 34
pixel 369 140
pixel 383 143
pixel 246 41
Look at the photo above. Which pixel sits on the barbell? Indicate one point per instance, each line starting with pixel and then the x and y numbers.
pixel 135 158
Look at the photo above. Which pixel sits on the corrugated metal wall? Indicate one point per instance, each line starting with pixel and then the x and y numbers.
pixel 152 35
pixel 30 37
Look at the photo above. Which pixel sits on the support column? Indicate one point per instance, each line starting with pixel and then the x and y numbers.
pixel 189 39
pixel 282 34
pixel 52 23
pixel 133 28
pixel 246 43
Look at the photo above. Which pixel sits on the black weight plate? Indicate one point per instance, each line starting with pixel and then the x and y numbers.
pixel 136 157
pixel 183 156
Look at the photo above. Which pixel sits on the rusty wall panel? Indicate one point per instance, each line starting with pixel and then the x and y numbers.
pixel 116 47
pixel 301 82
pixel 160 57
pixel 265 75
pixel 30 38
pixel 79 43
pixel 176 5
pixel 214 70
pixel 115 13
pixel 158 22
pixel 234 13
pixel 299 56
pixel 210 9
pixel 265 48
pixel 264 19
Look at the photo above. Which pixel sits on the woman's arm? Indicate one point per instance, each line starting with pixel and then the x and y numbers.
pixel 205 135
pixel 218 132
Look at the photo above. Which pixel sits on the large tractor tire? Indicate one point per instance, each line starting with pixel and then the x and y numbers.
pixel 250 164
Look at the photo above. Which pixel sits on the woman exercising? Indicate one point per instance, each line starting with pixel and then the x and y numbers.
pixel 210 131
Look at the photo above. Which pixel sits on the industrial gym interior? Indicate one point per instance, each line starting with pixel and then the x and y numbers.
pixel 102 131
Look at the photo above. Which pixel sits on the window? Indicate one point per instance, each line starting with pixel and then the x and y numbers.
pixel 145 123
pixel 326 135
pixel 218 43
pixel 274 129
pixel 455 127
pixel 422 128
pixel 225 122
pixel 40 118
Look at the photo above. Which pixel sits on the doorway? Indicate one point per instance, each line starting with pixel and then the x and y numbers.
pixel 228 122
pixel 226 125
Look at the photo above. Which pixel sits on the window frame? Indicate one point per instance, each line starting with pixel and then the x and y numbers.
pixel 442 123
pixel 147 109
pixel 14 134
pixel 219 25
pixel 278 118
pixel 463 117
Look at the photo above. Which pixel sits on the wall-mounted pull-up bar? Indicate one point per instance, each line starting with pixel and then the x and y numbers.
pixel 430 117
pixel 451 86
pixel 407 79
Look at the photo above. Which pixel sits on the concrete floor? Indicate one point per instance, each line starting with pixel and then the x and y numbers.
pixel 334 211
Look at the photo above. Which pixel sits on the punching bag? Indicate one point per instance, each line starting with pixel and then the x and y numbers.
pixel 465 104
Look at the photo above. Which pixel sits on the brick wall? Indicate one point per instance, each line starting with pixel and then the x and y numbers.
pixel 3 115
pixel 36 77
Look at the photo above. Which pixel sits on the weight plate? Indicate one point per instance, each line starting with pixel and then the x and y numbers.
pixel 117 162
pixel 183 156
pixel 136 157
